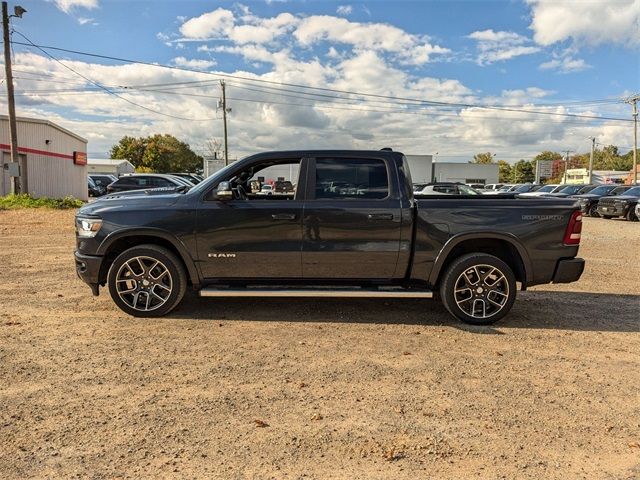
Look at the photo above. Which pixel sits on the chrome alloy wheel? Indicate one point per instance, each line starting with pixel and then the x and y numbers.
pixel 481 291
pixel 144 283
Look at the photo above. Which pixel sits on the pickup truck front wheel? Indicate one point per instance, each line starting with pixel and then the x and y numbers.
pixel 147 281
pixel 478 288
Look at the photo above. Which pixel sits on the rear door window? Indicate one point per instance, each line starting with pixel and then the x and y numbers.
pixel 351 178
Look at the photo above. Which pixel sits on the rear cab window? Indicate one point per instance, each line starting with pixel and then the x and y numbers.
pixel 351 178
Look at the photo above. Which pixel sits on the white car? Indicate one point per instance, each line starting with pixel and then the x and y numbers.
pixel 545 190
pixel 266 190
pixel 504 188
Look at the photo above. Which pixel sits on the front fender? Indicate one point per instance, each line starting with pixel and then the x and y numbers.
pixel 151 233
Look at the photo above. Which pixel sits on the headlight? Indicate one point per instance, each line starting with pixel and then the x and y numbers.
pixel 87 227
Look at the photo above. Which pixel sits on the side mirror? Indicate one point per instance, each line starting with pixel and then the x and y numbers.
pixel 224 191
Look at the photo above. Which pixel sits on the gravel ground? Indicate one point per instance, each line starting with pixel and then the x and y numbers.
pixel 315 388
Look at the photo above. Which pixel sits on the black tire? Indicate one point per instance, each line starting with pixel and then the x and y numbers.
pixel 631 216
pixel 593 210
pixel 167 287
pixel 503 290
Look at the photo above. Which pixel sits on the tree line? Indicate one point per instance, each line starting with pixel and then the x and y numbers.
pixel 157 154
pixel 523 171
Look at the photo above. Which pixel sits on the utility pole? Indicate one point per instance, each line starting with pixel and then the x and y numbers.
pixel 634 103
pixel 593 147
pixel 224 119
pixel 566 164
pixel 16 183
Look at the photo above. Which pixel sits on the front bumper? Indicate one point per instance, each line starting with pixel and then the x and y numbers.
pixel 613 210
pixel 88 269
pixel 568 270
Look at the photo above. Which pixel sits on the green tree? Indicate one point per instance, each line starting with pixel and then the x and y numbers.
pixel 524 171
pixel 548 155
pixel 505 172
pixel 157 153
pixel 484 158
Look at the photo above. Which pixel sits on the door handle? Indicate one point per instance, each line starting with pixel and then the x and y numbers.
pixel 380 216
pixel 284 216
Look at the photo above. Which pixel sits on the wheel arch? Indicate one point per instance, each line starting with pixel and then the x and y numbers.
pixel 117 243
pixel 505 247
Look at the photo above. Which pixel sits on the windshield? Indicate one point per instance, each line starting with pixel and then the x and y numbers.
pixel 524 188
pixel 465 190
pixel 601 190
pixel 548 188
pixel 634 192
pixel 586 189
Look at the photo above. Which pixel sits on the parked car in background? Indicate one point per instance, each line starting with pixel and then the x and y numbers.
pixel 621 205
pixel 504 188
pixel 526 188
pixel 103 179
pixel 492 186
pixel 192 177
pixel 266 190
pixel 445 188
pixel 475 186
pixel 143 181
pixel 283 186
pixel 94 189
pixel 543 190
pixel 589 201
pixel 567 191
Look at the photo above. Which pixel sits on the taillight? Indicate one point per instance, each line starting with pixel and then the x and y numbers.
pixel 574 229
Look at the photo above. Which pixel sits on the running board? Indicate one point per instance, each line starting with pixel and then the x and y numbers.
pixel 330 293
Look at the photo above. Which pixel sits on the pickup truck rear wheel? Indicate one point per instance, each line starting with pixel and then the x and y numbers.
pixel 147 281
pixel 478 288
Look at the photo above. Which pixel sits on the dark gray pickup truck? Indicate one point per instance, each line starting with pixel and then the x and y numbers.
pixel 352 227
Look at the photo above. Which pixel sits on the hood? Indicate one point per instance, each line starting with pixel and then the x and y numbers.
pixel 586 195
pixel 625 198
pixel 134 200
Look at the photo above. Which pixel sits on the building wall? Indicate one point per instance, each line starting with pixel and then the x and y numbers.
pixel 421 167
pixel 50 168
pixel 466 172
pixel 113 168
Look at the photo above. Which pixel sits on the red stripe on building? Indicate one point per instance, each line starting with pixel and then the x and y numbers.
pixel 37 152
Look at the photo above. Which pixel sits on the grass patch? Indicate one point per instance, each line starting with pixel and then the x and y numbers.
pixel 24 200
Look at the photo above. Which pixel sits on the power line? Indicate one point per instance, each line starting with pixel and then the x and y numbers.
pixel 348 92
pixel 105 88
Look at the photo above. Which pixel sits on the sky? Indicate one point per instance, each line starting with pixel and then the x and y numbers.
pixel 415 76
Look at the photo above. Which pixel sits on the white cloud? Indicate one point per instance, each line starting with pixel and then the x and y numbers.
pixel 249 29
pixel 84 21
pixel 565 65
pixel 413 49
pixel 213 24
pixel 498 46
pixel 67 5
pixel 344 10
pixel 585 22
pixel 195 64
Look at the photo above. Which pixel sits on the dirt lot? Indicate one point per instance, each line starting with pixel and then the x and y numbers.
pixel 345 388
